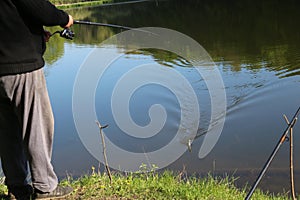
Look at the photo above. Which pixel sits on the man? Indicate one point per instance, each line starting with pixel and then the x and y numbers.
pixel 26 119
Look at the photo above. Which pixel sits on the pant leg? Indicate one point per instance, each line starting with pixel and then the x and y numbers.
pixel 28 93
pixel 13 159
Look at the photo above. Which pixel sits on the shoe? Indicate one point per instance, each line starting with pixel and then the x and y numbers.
pixel 20 192
pixel 58 193
pixel 11 196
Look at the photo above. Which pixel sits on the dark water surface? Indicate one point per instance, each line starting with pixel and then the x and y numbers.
pixel 255 45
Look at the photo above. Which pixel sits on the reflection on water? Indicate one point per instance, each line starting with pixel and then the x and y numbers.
pixel 255 45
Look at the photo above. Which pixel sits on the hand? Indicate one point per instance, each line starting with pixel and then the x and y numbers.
pixel 70 23
pixel 47 35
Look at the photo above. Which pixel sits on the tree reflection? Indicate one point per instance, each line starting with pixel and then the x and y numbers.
pixel 253 34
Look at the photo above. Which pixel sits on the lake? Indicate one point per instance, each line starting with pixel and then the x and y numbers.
pixel 255 47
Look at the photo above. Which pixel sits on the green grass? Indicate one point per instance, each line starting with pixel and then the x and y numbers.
pixel 168 185
pixel 70 4
pixel 81 4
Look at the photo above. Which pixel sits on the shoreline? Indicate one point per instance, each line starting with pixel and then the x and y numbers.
pixel 96 3
pixel 146 184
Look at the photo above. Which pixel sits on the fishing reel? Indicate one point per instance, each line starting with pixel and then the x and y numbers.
pixel 65 33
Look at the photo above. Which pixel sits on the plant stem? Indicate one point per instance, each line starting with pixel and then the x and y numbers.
pixel 104 150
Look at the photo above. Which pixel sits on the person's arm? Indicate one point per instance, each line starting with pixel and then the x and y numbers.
pixel 44 12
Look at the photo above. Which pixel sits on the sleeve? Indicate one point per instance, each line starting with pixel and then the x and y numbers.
pixel 43 12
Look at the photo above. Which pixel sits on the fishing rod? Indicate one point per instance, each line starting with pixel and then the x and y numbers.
pixel 270 159
pixel 102 24
pixel 69 34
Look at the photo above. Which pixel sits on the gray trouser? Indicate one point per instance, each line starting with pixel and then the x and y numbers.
pixel 26 130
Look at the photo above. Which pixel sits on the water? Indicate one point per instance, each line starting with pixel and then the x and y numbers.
pixel 255 45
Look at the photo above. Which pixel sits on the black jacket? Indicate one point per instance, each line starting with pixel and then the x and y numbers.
pixel 22 42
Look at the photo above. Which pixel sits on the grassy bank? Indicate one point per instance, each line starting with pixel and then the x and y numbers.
pixel 157 186
pixel 66 4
